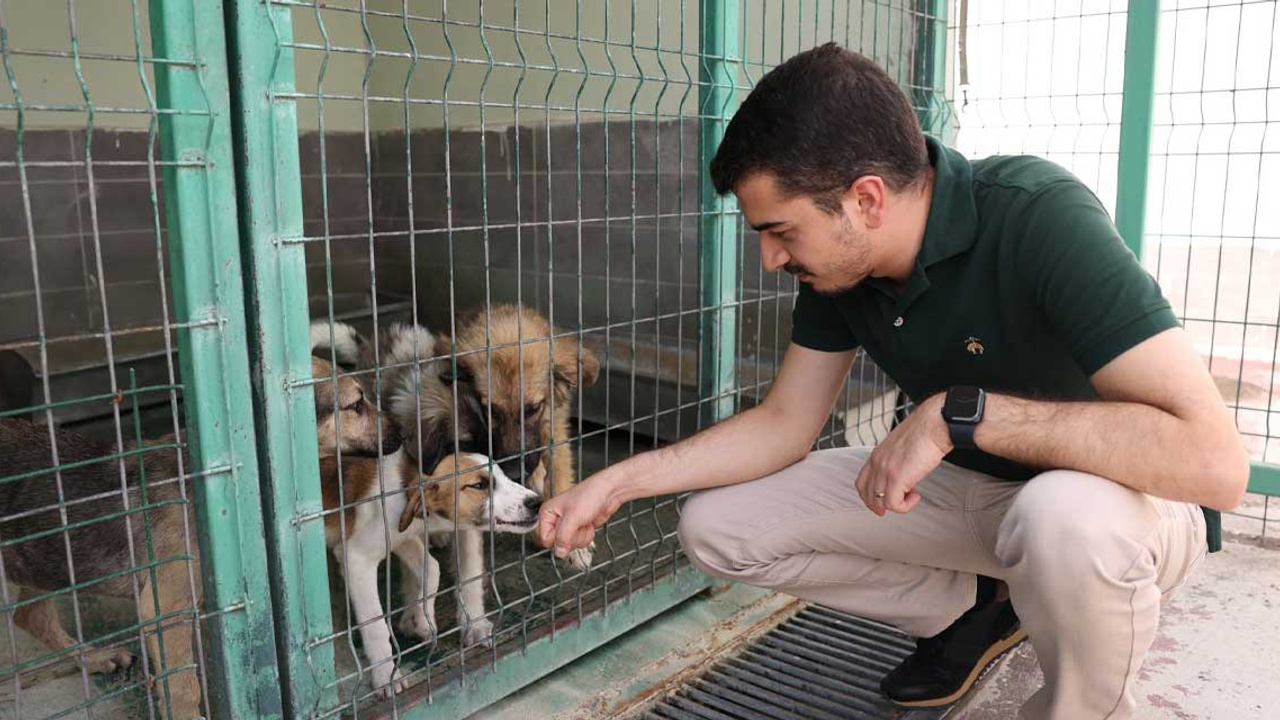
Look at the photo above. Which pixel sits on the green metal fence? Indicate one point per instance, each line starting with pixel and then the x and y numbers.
pixel 420 162
pixel 1165 110
pixel 118 250
pixel 191 185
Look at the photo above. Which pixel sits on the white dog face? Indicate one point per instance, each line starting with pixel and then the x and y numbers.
pixel 468 490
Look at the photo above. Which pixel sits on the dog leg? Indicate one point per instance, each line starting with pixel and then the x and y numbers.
pixel 419 619
pixel 179 691
pixel 375 634
pixel 477 629
pixel 41 620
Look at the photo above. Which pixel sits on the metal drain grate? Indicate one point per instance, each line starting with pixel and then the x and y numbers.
pixel 819 665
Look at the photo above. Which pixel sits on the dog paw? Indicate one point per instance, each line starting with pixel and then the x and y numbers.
pixel 417 625
pixel 387 679
pixel 479 632
pixel 580 559
pixel 110 660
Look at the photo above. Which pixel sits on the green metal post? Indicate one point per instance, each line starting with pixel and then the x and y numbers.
pixel 1135 120
pixel 1265 479
pixel 200 204
pixel 545 655
pixel 931 85
pixel 267 171
pixel 719 42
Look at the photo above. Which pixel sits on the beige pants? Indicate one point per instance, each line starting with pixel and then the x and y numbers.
pixel 1087 561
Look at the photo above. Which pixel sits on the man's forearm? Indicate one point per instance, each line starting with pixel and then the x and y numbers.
pixel 1138 445
pixel 744 447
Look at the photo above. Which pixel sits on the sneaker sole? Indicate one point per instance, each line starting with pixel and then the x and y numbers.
pixel 992 654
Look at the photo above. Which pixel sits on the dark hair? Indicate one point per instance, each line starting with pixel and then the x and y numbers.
pixel 820 121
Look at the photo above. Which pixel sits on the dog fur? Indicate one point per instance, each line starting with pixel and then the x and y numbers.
pixel 512 375
pixel 384 506
pixel 34 568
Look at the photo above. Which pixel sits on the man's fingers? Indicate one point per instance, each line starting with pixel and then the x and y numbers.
pixel 565 533
pixel 913 499
pixel 902 501
pixel 573 535
pixel 548 518
pixel 864 478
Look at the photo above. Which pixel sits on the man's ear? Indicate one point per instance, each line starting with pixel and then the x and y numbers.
pixel 573 361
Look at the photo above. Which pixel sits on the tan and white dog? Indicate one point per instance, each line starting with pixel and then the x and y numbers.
pixel 404 513
pixel 510 395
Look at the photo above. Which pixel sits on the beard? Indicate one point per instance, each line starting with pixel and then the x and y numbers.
pixel 850 265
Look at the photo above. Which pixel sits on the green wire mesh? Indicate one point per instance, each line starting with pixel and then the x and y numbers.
pixel 105 312
pixel 83 297
pixel 550 154
pixel 455 156
pixel 1048 80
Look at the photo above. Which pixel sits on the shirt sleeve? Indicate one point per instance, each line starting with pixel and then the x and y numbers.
pixel 1088 286
pixel 816 323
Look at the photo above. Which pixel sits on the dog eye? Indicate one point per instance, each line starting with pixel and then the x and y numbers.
pixel 481 484
pixel 531 411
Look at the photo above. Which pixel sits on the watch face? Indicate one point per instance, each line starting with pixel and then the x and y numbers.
pixel 963 404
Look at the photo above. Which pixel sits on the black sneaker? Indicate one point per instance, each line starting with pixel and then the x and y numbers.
pixel 945 666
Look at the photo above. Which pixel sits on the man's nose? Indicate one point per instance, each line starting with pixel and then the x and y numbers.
pixel 771 254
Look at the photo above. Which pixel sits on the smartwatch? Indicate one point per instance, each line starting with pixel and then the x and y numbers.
pixel 962 412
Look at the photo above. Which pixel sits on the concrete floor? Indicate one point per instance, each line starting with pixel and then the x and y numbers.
pixel 1215 655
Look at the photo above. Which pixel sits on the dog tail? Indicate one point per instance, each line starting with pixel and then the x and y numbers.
pixel 405 344
pixel 347 344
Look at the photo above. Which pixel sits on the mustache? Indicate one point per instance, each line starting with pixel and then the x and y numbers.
pixel 796 269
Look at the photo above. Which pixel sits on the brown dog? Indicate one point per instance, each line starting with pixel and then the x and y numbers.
pixel 511 397
pixel 110 552
pixel 526 378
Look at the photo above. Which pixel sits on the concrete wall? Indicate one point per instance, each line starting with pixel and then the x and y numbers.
pixel 572 205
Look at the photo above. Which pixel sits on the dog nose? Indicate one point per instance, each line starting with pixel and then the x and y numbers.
pixel 533 503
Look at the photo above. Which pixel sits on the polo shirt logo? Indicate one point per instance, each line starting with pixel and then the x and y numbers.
pixel 974 345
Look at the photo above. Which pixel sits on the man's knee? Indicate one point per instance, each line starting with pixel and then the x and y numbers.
pixel 1066 524
pixel 709 535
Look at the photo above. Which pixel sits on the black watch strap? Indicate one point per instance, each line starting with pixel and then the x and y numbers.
pixel 962 435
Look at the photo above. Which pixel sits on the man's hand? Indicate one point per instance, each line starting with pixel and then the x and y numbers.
pixel 888 480
pixel 569 520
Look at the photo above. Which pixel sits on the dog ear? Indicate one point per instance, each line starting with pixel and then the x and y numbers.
pixel 412 509
pixel 570 359
pixel 449 376
pixel 325 393
pixel 429 435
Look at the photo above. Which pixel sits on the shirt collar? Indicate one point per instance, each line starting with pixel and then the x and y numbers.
pixel 953 214
pixel 951 227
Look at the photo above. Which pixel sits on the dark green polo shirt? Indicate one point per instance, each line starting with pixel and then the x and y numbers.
pixel 1023 286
